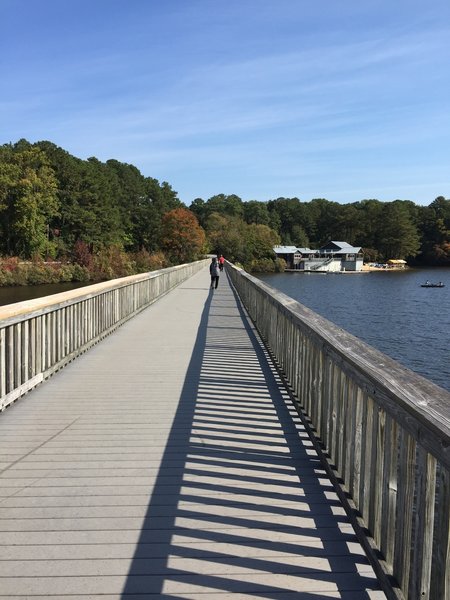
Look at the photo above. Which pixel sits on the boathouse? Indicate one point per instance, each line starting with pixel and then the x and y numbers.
pixel 291 254
pixel 348 257
pixel 333 257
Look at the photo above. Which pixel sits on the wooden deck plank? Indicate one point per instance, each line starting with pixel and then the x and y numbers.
pixel 169 462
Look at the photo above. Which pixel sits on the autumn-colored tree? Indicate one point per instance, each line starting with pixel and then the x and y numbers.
pixel 182 238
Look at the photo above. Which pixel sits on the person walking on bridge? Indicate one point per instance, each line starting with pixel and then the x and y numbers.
pixel 221 262
pixel 214 272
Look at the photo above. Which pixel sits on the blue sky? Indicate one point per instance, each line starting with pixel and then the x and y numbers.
pixel 336 99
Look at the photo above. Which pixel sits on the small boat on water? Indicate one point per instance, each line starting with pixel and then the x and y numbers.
pixel 429 284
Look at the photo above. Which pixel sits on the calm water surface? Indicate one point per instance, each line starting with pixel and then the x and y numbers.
pixel 388 310
pixel 9 295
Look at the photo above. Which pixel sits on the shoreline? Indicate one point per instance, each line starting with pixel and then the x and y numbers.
pixel 365 269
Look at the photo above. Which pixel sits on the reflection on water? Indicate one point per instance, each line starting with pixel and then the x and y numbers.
pixel 9 295
pixel 388 310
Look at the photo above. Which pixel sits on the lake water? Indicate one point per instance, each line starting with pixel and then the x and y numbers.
pixel 9 295
pixel 388 310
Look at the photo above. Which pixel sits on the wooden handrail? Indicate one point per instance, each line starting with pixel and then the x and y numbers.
pixel 40 336
pixel 384 430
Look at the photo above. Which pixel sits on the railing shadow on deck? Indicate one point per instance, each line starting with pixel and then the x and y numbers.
pixel 229 378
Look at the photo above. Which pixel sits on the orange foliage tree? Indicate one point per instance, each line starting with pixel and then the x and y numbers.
pixel 182 238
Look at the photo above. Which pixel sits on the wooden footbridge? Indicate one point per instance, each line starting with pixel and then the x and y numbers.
pixel 198 453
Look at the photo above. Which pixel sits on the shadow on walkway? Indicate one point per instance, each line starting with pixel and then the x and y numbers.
pixel 241 504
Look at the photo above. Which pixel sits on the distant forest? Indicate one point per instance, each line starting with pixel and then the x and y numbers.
pixel 110 220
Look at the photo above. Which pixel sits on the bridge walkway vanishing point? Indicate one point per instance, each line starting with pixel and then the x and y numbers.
pixel 169 462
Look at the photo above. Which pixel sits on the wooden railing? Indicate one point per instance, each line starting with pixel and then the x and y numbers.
pixel 384 431
pixel 38 337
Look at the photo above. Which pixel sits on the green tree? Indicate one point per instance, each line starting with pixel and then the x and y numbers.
pixel 108 203
pixel 69 172
pixel 226 205
pixel 369 215
pixel 348 226
pixel 299 237
pixel 289 214
pixel 158 200
pixel 100 220
pixel 198 207
pixel 398 236
pixel 226 235
pixel 28 200
pixel 131 196
pixel 435 231
pixel 325 216
pixel 256 212
pixel 260 241
pixel 90 196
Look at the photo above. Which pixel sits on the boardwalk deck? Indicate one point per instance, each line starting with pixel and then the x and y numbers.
pixel 168 462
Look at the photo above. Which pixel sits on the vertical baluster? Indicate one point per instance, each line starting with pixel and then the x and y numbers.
pixel 379 448
pixel 10 350
pixel 38 346
pixel 348 433
pixel 332 445
pixel 440 571
pixel 68 330
pixel 32 348
pixel 17 337
pixel 24 355
pixel 308 374
pixel 366 452
pixel 321 366
pixel 293 355
pixel 369 465
pixel 89 310
pixel 290 352
pixel 419 585
pixel 352 441
pixel 79 321
pixel 52 336
pixel 62 333
pixel 316 397
pixel 2 365
pixel 105 312
pixel 360 448
pixel 309 358
pixel 296 359
pixel 58 315
pixel 405 507
pixel 85 334
pixel 389 490
pixel 341 401
pixel 327 404
pixel 305 399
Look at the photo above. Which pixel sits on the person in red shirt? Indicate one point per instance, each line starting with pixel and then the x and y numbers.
pixel 221 261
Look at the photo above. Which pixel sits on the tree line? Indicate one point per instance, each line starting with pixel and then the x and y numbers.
pixel 111 220
pixel 399 229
